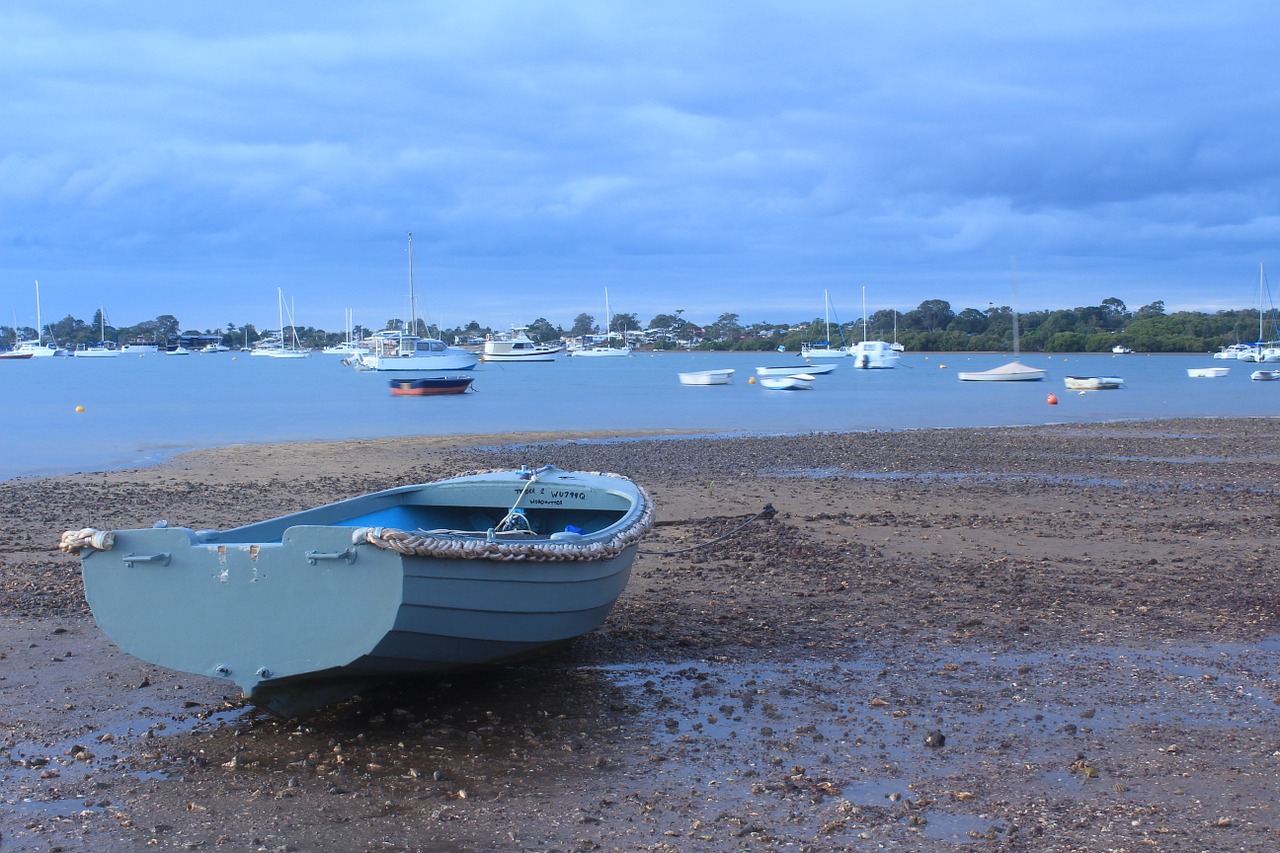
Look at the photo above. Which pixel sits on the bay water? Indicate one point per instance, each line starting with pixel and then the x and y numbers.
pixel 138 410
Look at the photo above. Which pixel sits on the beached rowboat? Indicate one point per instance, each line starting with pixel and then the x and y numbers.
pixel 312 607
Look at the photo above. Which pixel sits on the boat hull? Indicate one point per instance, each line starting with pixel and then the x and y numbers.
pixel 1092 383
pixel 310 607
pixel 797 382
pixel 531 356
pixel 706 377
pixel 430 386
pixel 792 370
pixel 461 360
pixel 1207 372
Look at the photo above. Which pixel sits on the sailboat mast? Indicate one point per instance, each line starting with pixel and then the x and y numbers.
pixel 413 306
pixel 39 328
pixel 1013 272
pixel 1262 287
pixel 826 313
pixel 864 313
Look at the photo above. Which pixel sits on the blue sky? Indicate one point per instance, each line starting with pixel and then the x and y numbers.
pixel 710 157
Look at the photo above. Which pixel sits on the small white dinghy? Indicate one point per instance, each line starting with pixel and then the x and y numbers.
pixel 1265 375
pixel 722 376
pixel 796 369
pixel 794 382
pixel 1092 383
pixel 1207 372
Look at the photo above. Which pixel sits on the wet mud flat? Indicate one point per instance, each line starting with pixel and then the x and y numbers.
pixel 1059 638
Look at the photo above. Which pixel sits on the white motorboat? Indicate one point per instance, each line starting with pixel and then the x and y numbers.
pixel 1207 372
pixel 1092 383
pixel 1121 349
pixel 102 349
pixel 1265 375
pixel 706 377
pixel 518 346
pixel 345 348
pixel 872 354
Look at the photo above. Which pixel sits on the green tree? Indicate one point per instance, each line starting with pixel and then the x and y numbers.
pixel 542 330
pixel 167 327
pixel 583 324
pixel 932 315
pixel 625 322
pixel 971 321
pixel 726 329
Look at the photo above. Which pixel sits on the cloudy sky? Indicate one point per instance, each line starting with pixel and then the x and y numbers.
pixel 712 157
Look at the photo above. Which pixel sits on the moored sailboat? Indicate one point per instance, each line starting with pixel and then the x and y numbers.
pixel 1014 371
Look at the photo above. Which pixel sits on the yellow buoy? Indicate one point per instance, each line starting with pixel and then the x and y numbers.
pixel 942 367
pixel 79 408
pixel 751 381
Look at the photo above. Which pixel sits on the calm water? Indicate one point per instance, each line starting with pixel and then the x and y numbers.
pixel 144 409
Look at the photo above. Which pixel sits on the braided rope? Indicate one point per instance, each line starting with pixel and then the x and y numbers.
pixel 73 541
pixel 427 544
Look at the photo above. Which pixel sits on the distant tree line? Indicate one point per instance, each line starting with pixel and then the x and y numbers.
pixel 931 327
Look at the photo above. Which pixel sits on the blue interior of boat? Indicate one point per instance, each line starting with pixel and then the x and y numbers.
pixel 480 519
pixel 411 517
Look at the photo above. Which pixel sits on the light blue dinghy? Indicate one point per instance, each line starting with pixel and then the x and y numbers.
pixel 305 609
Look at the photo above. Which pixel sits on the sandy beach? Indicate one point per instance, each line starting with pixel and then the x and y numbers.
pixel 1058 638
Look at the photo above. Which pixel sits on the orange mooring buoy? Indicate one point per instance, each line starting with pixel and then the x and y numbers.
pixel 1053 399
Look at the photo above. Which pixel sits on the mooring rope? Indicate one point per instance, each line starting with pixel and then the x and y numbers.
pixel 87 537
pixel 767 512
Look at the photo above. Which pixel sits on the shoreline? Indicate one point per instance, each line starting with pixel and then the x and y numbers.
pixel 190 458
pixel 1050 637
